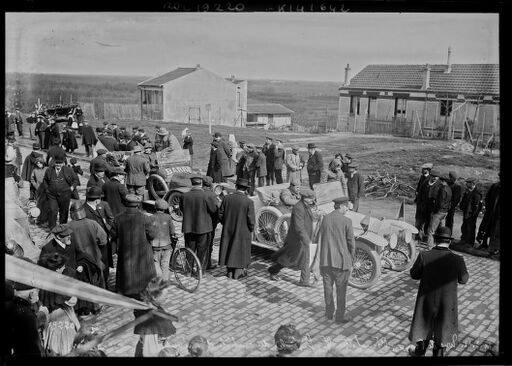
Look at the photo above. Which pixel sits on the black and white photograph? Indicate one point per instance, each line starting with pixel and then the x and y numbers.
pixel 230 183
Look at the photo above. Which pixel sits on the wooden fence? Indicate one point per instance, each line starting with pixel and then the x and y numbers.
pixel 121 111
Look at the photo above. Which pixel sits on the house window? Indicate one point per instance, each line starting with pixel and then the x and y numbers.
pixel 400 104
pixel 370 100
pixel 355 105
pixel 446 107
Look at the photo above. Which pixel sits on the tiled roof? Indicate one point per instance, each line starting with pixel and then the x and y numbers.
pixel 463 78
pixel 172 75
pixel 268 108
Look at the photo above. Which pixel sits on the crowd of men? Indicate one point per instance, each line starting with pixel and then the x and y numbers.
pixel 109 221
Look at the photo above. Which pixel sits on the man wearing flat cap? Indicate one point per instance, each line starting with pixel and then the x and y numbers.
pixel 133 231
pixel 291 195
pixel 261 166
pixel 114 191
pixel 337 251
pixel 137 170
pixel 436 310
pixel 440 207
pixel 62 244
pixel 295 251
pixel 198 208
pixel 236 214
pixel 270 149
pixel 294 165
pixel 470 205
pixel 355 185
pixel 60 180
pixel 315 165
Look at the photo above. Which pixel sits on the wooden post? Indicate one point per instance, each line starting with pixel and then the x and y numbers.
pixel 464 122
pixel 483 128
pixel 355 122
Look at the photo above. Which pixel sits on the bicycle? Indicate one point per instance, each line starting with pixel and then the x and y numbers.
pixel 186 266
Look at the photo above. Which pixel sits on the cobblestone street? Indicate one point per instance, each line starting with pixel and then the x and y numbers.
pixel 240 317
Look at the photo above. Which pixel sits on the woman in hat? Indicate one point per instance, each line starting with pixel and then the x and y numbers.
pixel 63 323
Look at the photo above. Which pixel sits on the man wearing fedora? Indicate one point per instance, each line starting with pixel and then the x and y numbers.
pixel 188 144
pixel 440 206
pixel 162 139
pixel 470 205
pixel 436 310
pixel 60 180
pixel 295 251
pixel 270 149
pixel 337 252
pixel 98 179
pixel 137 169
pixel 114 191
pixel 236 214
pixel 456 197
pixel 355 185
pixel 422 215
pixel 89 138
pixel 294 165
pixel 315 165
pixel 108 140
pixel 99 211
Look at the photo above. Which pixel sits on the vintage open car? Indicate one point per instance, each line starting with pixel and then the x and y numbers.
pixel 18 240
pixel 380 243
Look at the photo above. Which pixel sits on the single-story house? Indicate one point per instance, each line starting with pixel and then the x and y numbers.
pixel 268 116
pixel 442 100
pixel 194 95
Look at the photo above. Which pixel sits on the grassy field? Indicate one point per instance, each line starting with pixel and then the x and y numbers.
pixel 312 102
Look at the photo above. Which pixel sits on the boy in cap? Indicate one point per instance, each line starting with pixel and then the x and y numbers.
pixel 435 312
pixel 470 205
pixel 164 238
pixel 337 252
pixel 295 252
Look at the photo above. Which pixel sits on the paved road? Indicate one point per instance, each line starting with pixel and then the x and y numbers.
pixel 240 317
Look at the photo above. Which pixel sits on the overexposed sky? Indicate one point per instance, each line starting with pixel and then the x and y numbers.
pixel 292 46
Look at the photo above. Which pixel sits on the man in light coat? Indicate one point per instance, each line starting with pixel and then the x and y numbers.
pixel 294 165
pixel 137 170
pixel 436 310
pixel 337 251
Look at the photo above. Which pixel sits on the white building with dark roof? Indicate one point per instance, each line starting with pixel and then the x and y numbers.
pixel 442 100
pixel 269 116
pixel 194 95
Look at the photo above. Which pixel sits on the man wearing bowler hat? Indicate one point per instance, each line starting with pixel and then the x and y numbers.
pixel 60 181
pixel 295 251
pixel 355 185
pixel 236 214
pixel 198 208
pixel 315 165
pixel 98 179
pixel 137 169
pixel 471 205
pixel 436 310
pixel 99 211
pixel 440 207
pixel 337 251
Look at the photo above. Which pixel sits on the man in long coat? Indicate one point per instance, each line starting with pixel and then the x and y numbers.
pixel 261 166
pixel 295 252
pixel 99 211
pixel 88 138
pixel 198 208
pixel 214 169
pixel 207 186
pixel 489 230
pixel 355 186
pixel 236 214
pixel 456 189
pixel 294 165
pixel 98 179
pixel 53 133
pixel 471 205
pixel 29 165
pixel 114 192
pixel 269 149
pixel 39 130
pixel 137 169
pixel 315 165
pixel 224 153
pixel 133 231
pixel 436 311
pixel 422 215
pixel 337 252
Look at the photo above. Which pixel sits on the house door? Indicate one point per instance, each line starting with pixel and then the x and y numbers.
pixel 271 121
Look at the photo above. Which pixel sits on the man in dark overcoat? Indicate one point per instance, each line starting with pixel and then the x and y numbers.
pixel 295 252
pixel 137 169
pixel 53 130
pixel 207 185
pixel 224 154
pixel 214 169
pixel 436 310
pixel 440 204
pixel 315 165
pixel 60 180
pixel 98 179
pixel 269 149
pixel 337 252
pixel 114 191
pixel 99 211
pixel 421 199
pixel 471 205
pixel 355 186
pixel 236 214
pixel 198 208
pixel 489 230
pixel 108 140
pixel 133 231
pixel 456 189
pixel 29 165
pixel 39 130
pixel 88 138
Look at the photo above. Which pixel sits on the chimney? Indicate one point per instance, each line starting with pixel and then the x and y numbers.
pixel 449 62
pixel 347 69
pixel 198 66
pixel 426 80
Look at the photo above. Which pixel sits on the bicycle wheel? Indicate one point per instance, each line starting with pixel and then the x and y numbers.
pixel 187 269
pixel 366 268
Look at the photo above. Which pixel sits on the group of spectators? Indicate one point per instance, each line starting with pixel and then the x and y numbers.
pixel 439 194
